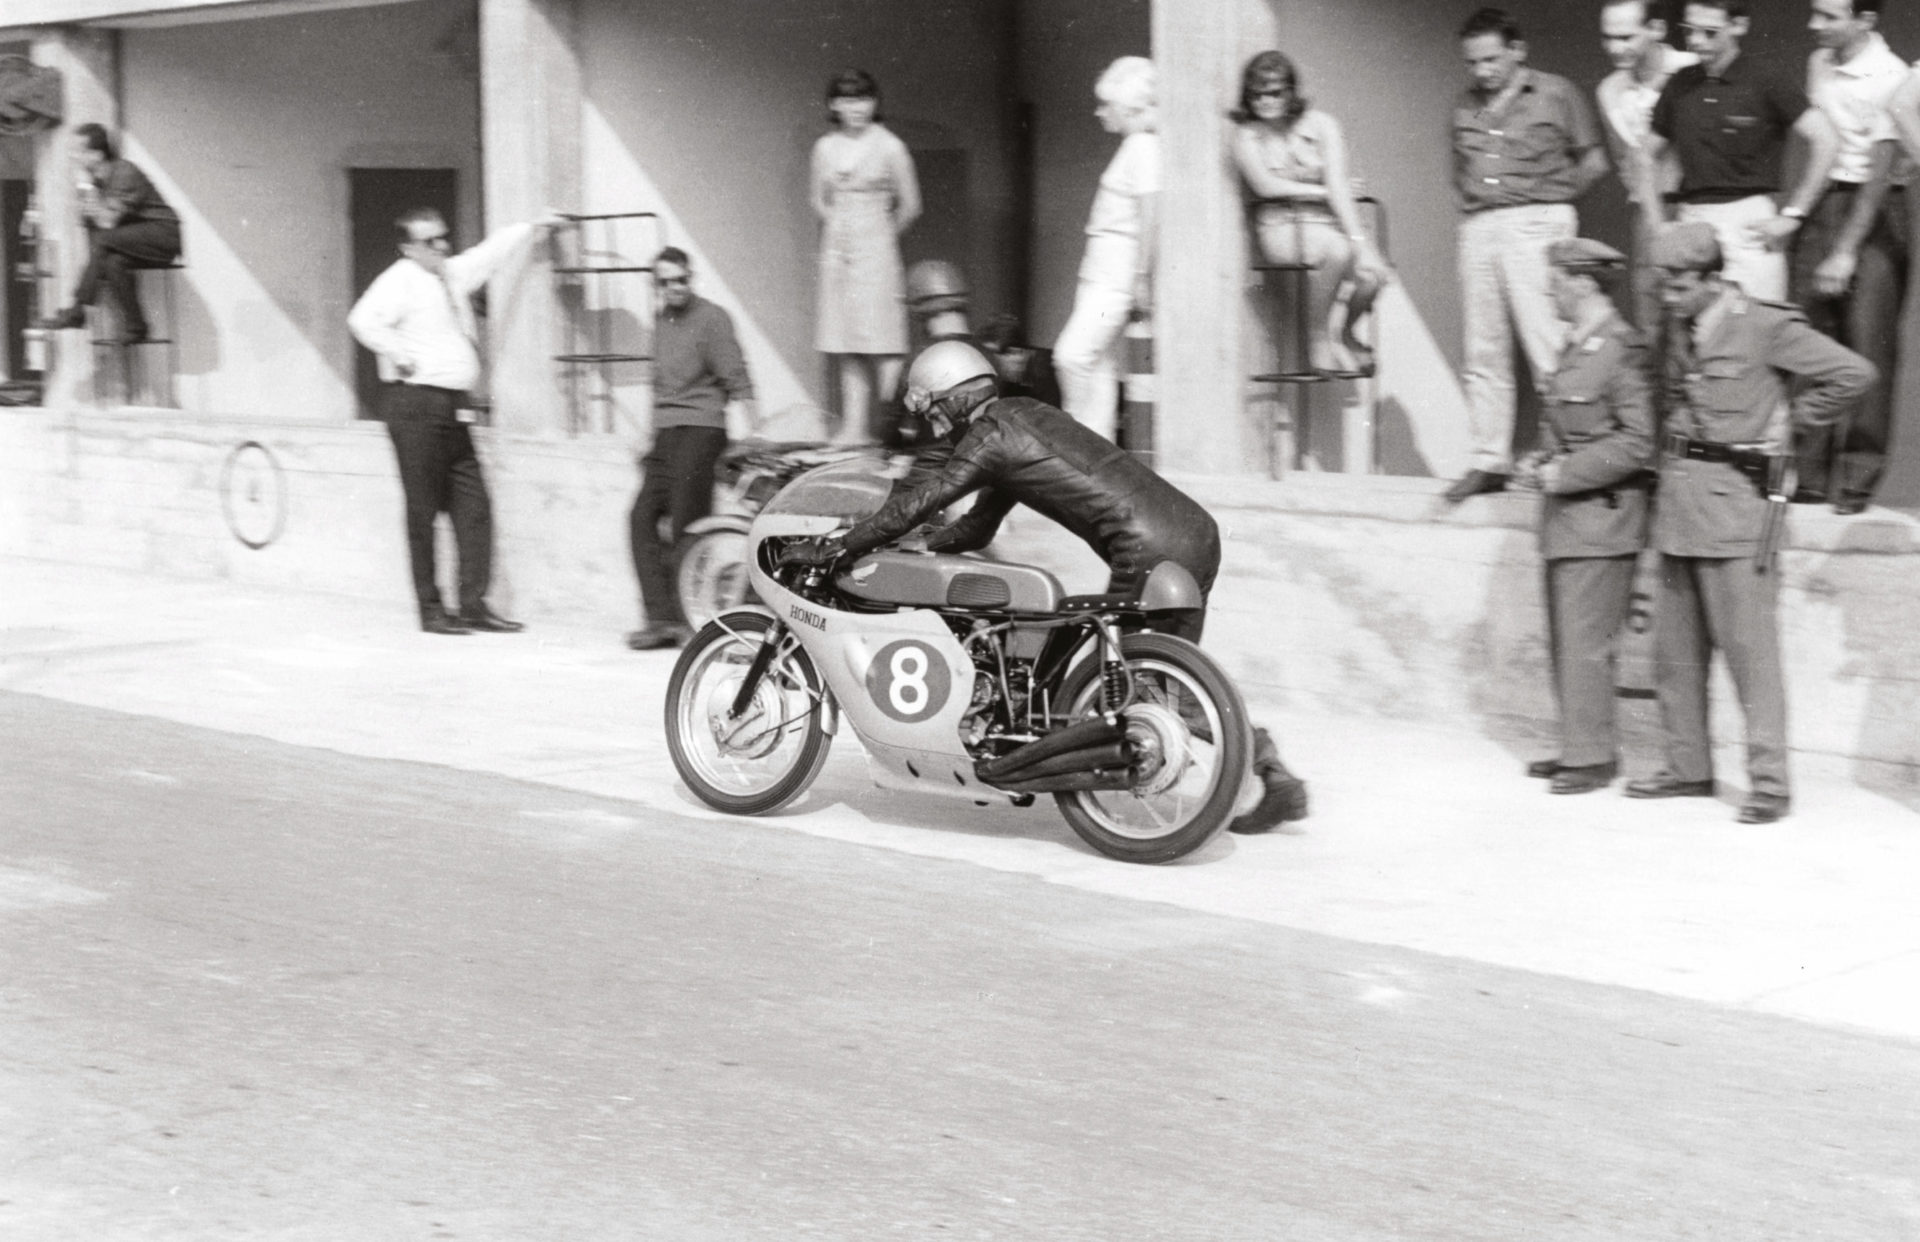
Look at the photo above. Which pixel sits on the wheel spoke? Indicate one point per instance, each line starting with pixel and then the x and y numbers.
pixel 1147 817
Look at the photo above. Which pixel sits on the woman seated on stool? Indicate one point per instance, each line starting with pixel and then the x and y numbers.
pixel 128 226
pixel 1294 158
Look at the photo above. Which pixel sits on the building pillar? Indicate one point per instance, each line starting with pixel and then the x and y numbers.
pixel 89 66
pixel 1199 47
pixel 530 95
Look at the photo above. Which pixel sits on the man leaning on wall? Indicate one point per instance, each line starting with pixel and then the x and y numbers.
pixel 417 317
pixel 1849 262
pixel 698 372
pixel 1525 146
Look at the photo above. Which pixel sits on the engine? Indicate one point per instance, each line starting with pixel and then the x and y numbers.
pixel 1001 688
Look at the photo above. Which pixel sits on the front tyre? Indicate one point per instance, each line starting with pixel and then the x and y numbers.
pixel 759 761
pixel 1188 731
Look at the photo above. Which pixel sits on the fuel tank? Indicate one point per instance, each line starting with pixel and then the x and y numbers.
pixel 934 580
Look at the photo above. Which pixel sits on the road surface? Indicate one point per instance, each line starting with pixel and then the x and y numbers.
pixel 249 990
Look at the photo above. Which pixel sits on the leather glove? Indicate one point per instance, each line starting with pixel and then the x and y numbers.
pixel 814 552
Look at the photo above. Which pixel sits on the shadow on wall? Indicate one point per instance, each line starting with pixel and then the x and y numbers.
pixel 1512 637
pixel 1395 444
pixel 198 351
pixel 1876 618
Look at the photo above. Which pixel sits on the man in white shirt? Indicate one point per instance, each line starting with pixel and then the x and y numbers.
pixel 1636 42
pixel 417 317
pixel 1850 259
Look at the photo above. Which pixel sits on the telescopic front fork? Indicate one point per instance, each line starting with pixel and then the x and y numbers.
pixel 762 661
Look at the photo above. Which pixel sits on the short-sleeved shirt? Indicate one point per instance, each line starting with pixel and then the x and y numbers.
pixel 1113 226
pixel 1626 107
pixel 1729 130
pixel 1298 152
pixel 1854 94
pixel 1528 150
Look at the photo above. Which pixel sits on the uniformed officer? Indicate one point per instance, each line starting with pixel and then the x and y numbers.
pixel 1593 471
pixel 1737 370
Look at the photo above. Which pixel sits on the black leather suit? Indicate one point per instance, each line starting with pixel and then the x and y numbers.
pixel 1019 451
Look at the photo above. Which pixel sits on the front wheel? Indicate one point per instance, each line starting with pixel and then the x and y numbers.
pixel 756 762
pixel 1188 731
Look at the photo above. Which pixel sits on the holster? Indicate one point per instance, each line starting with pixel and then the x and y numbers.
pixel 1780 480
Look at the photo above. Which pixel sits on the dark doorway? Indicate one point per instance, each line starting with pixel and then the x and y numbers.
pixel 377 197
pixel 944 230
pixel 21 265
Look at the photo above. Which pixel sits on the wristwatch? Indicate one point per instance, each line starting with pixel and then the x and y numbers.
pixel 1794 213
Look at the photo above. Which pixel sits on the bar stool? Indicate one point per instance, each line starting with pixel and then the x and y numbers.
pixel 145 370
pixel 1301 376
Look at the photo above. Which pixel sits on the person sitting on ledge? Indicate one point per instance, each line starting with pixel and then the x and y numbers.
pixel 1294 160
pixel 129 226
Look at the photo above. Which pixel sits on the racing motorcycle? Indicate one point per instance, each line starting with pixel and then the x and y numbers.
pixel 961 677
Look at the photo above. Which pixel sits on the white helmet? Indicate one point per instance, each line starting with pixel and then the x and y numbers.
pixel 935 285
pixel 942 367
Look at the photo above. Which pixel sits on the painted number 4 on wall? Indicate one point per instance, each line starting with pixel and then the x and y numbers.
pixel 909 681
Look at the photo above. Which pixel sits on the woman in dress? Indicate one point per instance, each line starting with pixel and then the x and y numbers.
pixel 1294 160
pixel 865 193
pixel 1117 270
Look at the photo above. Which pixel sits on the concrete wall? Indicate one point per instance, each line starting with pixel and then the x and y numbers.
pixel 1353 596
pixel 249 128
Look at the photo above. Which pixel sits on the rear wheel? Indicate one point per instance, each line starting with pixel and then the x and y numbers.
pixel 1188 729
pixel 759 761
pixel 710 574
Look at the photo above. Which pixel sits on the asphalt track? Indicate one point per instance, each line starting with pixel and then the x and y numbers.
pixel 249 990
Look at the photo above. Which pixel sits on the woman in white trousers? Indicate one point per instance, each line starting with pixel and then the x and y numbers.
pixel 1116 273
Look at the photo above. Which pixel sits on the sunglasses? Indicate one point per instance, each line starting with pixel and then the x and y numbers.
pixel 439 241
pixel 673 281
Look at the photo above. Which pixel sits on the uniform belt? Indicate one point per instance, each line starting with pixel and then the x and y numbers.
pixel 1676 445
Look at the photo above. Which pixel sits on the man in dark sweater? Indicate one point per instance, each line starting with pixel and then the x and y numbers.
pixel 128 226
pixel 698 371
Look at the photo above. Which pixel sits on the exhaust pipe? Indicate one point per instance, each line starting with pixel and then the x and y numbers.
pixel 1086 759
pixel 1085 735
pixel 1106 779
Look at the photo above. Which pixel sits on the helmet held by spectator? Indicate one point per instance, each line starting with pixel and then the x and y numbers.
pixel 935 285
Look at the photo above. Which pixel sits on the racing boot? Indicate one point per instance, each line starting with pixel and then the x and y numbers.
pixel 1284 795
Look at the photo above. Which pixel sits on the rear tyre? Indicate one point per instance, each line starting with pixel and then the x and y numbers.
pixel 710 574
pixel 758 762
pixel 1189 728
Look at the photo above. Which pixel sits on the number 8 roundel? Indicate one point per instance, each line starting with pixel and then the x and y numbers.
pixel 909 681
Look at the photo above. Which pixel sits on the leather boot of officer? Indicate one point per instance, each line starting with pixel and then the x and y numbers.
pixel 1283 798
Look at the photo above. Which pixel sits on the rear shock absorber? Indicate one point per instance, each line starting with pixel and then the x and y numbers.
pixel 1116 679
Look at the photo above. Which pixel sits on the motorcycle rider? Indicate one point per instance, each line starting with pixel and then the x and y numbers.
pixel 1016 450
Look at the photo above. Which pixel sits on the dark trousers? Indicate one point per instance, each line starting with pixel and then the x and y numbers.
pixel 676 484
pixel 1720 602
pixel 439 473
pixel 114 255
pixel 1587 601
pixel 1848 457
